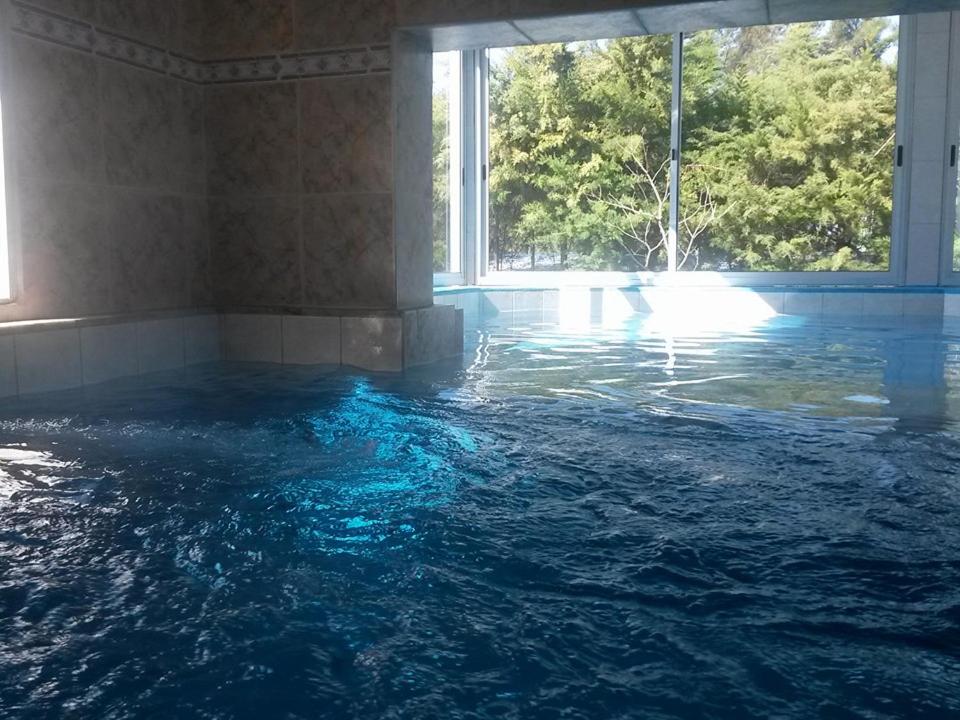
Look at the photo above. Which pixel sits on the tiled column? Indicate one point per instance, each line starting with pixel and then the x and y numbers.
pixel 412 113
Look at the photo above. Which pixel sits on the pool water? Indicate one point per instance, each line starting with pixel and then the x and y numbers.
pixel 640 521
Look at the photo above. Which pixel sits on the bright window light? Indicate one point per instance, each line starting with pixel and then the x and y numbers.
pixel 4 247
pixel 447 163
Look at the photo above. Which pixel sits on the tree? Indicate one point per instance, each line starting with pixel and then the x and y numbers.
pixel 441 190
pixel 787 150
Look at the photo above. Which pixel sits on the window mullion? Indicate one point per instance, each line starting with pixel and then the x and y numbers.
pixel 468 169
pixel 676 106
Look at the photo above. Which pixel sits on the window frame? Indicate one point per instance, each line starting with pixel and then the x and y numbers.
pixel 456 245
pixel 9 209
pixel 475 106
pixel 948 275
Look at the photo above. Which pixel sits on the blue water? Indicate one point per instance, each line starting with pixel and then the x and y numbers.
pixel 633 522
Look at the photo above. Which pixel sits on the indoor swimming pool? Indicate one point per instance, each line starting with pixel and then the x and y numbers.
pixel 638 520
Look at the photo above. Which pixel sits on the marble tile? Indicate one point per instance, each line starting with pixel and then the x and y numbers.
pixel 252 138
pixel 147 240
pixel 256 251
pixel 252 338
pixel 85 10
pixel 189 28
pixel 345 123
pixel 498 302
pixel 923 305
pixel 951 305
pixel 432 334
pixel 414 196
pixel 773 300
pixel 311 340
pixel 152 130
pixel 810 303
pixel 432 12
pixel 201 339
pixel 56 111
pixel 192 168
pixel 108 352
pixel 196 254
pixel 348 244
pixel 147 20
pixel 8 367
pixel 65 251
pixel 373 343
pixel 238 28
pixel 160 345
pixel 843 304
pixel 48 361
pixel 882 305
pixel 332 23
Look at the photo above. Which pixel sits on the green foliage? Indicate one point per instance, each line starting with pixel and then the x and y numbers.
pixel 441 190
pixel 788 140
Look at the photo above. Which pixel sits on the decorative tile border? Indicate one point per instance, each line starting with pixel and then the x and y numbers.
pixel 352 61
pixel 79 35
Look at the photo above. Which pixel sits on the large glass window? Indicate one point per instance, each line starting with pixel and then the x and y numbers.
pixel 5 289
pixel 789 134
pixel 579 141
pixel 447 164
pixel 760 149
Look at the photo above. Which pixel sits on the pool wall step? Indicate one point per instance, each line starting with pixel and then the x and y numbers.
pixel 384 342
pixel 54 355
pixel 50 355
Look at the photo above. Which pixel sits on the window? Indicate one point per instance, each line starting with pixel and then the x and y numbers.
pixel 5 289
pixel 789 133
pixel 736 151
pixel 447 164
pixel 580 155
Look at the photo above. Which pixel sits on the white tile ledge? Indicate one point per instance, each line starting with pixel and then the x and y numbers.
pixel 53 355
pixel 19 327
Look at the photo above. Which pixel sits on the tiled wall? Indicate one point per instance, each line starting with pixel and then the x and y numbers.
pixel 105 164
pixel 301 170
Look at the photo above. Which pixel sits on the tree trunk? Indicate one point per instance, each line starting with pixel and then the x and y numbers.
pixel 533 257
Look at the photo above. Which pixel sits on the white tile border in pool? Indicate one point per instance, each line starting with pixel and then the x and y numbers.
pixel 63 354
pixel 381 342
pixel 846 303
pixel 60 355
